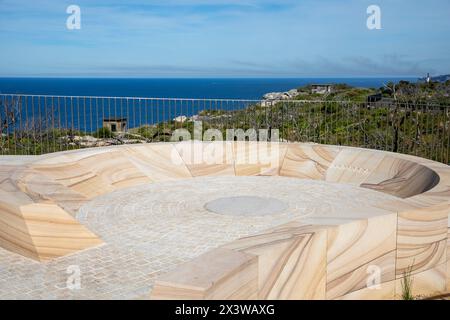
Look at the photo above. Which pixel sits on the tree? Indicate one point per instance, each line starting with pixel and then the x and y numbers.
pixel 9 116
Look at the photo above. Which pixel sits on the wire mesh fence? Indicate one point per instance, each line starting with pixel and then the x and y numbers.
pixel 37 124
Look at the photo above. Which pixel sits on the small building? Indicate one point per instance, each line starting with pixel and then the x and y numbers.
pixel 115 124
pixel 374 98
pixel 321 88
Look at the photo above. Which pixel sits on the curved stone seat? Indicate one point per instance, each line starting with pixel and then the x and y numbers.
pixel 306 259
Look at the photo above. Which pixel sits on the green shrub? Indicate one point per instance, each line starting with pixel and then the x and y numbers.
pixel 103 133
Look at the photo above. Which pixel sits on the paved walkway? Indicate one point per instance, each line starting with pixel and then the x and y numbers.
pixel 150 229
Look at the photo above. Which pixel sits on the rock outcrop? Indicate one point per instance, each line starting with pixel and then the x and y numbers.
pixel 288 95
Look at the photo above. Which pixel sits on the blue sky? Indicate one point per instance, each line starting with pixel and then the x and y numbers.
pixel 224 38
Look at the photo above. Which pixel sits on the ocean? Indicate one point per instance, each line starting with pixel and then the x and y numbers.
pixel 88 114
pixel 225 88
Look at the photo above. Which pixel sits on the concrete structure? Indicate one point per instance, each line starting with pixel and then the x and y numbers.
pixel 374 98
pixel 366 213
pixel 321 88
pixel 115 124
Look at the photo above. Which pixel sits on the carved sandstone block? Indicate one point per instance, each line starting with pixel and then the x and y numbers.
pixel 353 247
pixel 207 159
pixel 291 261
pixel 159 162
pixel 218 274
pixel 421 242
pixel 353 166
pixel 400 178
pixel 378 271
pixel 77 178
pixel 252 158
pixel 385 291
pixel 42 231
pixel 308 161
pixel 115 169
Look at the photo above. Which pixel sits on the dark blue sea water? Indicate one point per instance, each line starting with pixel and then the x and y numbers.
pixel 173 88
pixel 87 114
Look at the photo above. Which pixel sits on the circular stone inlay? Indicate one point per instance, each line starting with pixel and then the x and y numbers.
pixel 246 206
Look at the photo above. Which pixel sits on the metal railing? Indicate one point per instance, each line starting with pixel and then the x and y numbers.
pixel 37 124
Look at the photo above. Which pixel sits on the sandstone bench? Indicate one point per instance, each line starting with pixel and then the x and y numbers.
pixel 317 258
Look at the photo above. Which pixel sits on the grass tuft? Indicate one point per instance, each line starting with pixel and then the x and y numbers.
pixel 407 283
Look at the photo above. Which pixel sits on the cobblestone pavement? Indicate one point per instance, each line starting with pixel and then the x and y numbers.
pixel 150 229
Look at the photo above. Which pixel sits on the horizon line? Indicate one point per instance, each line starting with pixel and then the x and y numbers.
pixel 209 77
